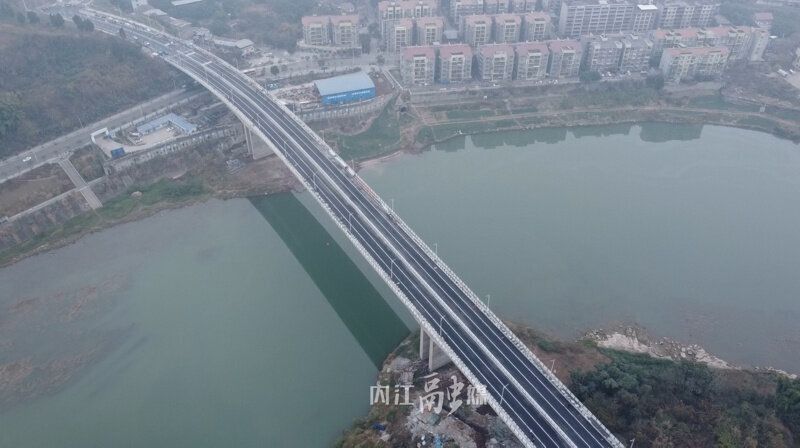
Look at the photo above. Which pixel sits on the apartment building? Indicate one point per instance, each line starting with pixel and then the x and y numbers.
pixel 391 11
pixel 400 35
pixel 565 58
pixel 455 63
pixel 495 62
pixel 685 14
pixel 532 59
pixel 496 6
pixel 581 17
pixel 636 53
pixel 315 30
pixel 344 30
pixel 477 30
pixel 462 8
pixel 429 30
pixel 526 6
pixel 603 53
pixel 644 18
pixel 743 42
pixel 535 26
pixel 418 65
pixel 507 28
pixel 761 39
pixel 685 63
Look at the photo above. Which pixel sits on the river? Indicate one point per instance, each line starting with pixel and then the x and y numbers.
pixel 250 323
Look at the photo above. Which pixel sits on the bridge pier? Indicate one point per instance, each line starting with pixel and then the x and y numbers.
pixel 436 358
pixel 255 147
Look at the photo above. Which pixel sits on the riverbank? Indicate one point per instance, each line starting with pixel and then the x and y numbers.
pixel 192 186
pixel 689 401
pixel 403 126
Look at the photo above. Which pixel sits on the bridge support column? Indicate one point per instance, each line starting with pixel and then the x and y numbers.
pixel 255 147
pixel 436 358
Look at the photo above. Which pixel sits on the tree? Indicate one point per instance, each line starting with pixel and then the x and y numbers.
pixel 655 81
pixel 591 76
pixel 787 403
pixel 56 20
pixel 21 18
pixel 78 21
pixel 33 17
pixel 380 59
pixel 366 42
pixel 122 33
pixel 274 70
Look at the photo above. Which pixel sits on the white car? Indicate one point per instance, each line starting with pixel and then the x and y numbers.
pixel 27 159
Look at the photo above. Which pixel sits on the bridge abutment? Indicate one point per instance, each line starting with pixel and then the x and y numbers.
pixel 255 146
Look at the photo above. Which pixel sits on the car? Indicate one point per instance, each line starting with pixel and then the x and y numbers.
pixel 27 159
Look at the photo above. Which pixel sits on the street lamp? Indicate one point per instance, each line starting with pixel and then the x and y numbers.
pixel 502 393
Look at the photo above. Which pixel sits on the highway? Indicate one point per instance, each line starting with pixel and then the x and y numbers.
pixel 535 405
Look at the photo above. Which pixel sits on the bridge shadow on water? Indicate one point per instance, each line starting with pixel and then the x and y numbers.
pixel 374 324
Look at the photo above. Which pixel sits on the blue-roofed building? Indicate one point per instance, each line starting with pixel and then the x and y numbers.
pixel 178 122
pixel 346 88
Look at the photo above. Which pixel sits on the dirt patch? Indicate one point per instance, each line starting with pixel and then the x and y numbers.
pixel 89 162
pixel 34 187
pixel 12 374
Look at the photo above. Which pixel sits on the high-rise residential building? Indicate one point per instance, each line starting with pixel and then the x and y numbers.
pixel 477 30
pixel 580 17
pixel 686 13
pixel 455 63
pixel 685 63
pixel 315 30
pixel 496 6
pixel 603 53
pixel 495 62
pixel 344 30
pixel 532 59
pixel 636 53
pixel 507 28
pixel 391 11
pixel 535 26
pixel 400 35
pixel 526 6
pixel 644 18
pixel 462 8
pixel 565 58
pixel 763 19
pixel 429 30
pixel 418 65
pixel 740 40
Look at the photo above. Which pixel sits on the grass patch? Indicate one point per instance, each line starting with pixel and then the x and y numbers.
pixel 464 114
pixel 755 121
pixel 717 102
pixel 382 137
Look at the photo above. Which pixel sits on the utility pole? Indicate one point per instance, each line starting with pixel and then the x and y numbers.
pixel 488 300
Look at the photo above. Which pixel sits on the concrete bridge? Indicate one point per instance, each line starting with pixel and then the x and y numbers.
pixel 535 405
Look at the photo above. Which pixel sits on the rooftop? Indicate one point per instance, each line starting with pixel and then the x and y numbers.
pixel 422 21
pixel 507 18
pixel 176 121
pixel 412 52
pixel 348 18
pixel 647 7
pixel 185 2
pixel 493 49
pixel 446 51
pixel 697 50
pixel 538 15
pixel 529 47
pixel 471 20
pixel 566 44
pixel 344 83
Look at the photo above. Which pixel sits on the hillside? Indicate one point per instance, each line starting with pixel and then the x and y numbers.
pixel 53 80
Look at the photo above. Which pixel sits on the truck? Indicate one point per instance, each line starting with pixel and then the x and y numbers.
pixel 338 160
pixel 331 153
pixel 117 153
pixel 349 171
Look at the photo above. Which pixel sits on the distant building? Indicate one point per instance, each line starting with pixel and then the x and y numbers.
pixel 391 11
pixel 495 62
pixel 347 8
pixel 763 19
pixel 761 39
pixel 507 28
pixel 636 53
pixel 418 66
pixel 496 6
pixel 178 3
pixel 678 64
pixel 603 53
pixel 565 58
pixel 644 18
pixel 526 6
pixel 346 88
pixel 581 17
pixel 429 30
pixel 455 64
pixel 344 30
pixel 462 8
pixel 532 59
pixel 315 30
pixel 535 26
pixel 401 35
pixel 477 30
pixel 686 13
pixel 136 4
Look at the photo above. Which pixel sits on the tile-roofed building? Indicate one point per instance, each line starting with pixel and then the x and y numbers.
pixel 536 26
pixel 455 63
pixel 495 62
pixel 684 63
pixel 565 58
pixel 532 59
pixel 507 28
pixel 429 30
pixel 418 65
